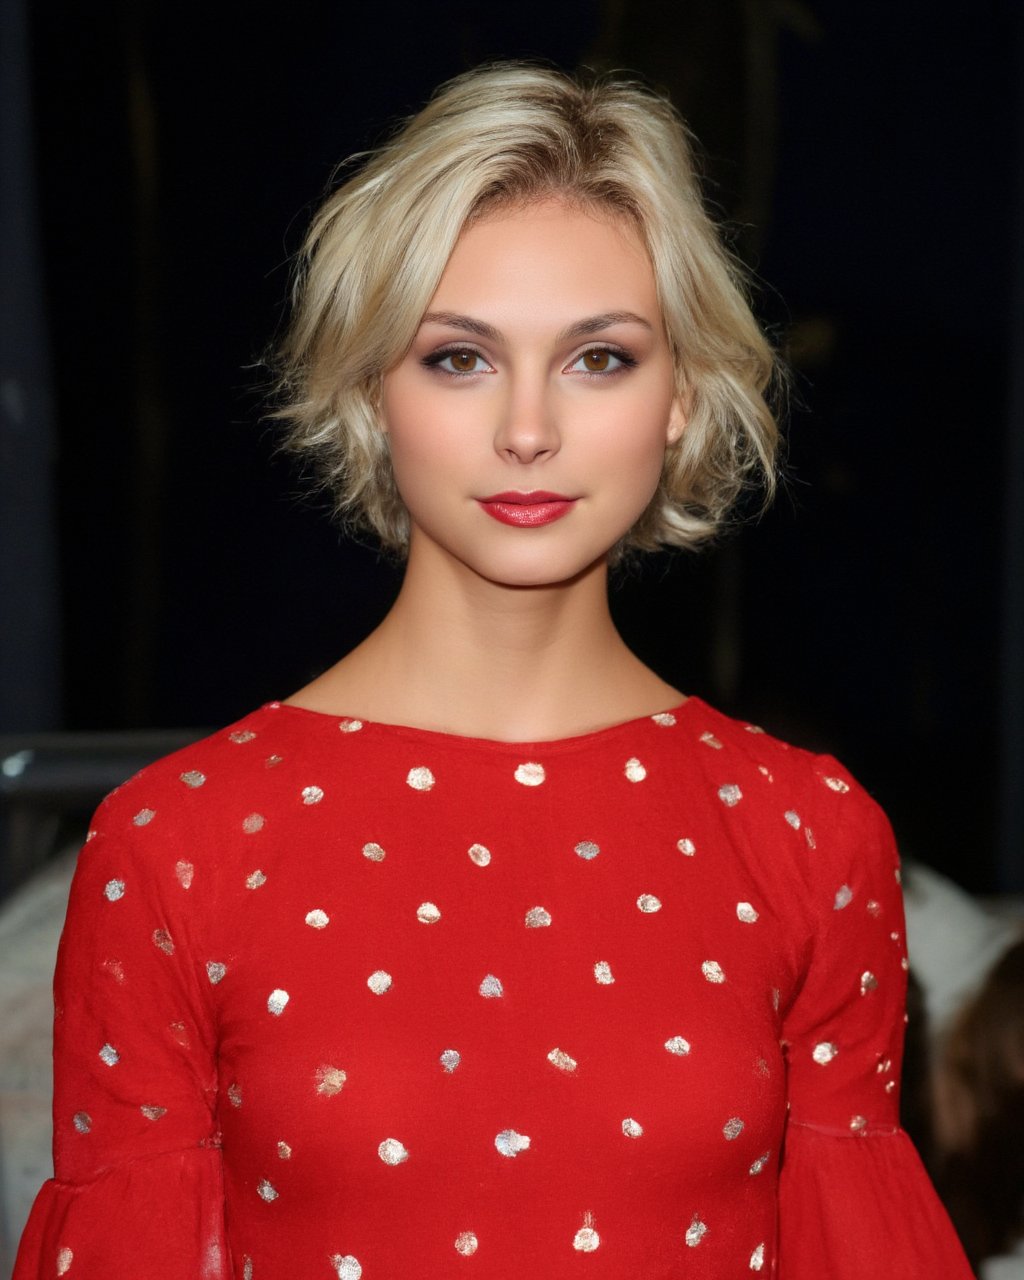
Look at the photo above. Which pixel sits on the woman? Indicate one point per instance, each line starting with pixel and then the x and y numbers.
pixel 488 952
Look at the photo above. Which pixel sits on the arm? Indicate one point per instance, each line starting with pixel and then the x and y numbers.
pixel 854 1199
pixel 137 1186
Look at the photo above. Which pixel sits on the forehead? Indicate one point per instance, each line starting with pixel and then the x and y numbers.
pixel 552 257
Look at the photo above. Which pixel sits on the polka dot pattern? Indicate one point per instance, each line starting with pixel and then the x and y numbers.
pixel 647 944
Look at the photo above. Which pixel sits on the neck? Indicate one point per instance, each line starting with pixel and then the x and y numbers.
pixel 461 654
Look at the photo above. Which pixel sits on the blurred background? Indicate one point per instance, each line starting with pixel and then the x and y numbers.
pixel 163 570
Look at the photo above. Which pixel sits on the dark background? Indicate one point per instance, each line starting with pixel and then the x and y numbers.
pixel 865 159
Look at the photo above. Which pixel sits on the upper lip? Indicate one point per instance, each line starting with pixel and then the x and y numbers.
pixel 527 499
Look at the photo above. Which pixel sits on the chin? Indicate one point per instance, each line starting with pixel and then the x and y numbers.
pixel 537 566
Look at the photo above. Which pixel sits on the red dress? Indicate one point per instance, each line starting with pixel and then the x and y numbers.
pixel 349 999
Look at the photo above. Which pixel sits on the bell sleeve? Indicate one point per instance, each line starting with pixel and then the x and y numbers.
pixel 854 1198
pixel 137 1187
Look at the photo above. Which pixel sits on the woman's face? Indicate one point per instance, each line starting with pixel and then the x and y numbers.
pixel 529 419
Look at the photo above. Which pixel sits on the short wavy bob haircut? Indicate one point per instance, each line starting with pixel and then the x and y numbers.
pixel 496 138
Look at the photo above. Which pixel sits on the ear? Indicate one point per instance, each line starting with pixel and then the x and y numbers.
pixel 679 415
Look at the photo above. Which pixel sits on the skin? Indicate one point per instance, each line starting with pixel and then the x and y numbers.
pixel 501 632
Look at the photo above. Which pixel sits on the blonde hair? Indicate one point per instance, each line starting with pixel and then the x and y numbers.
pixel 505 135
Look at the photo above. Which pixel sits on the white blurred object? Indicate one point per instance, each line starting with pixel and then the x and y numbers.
pixel 952 940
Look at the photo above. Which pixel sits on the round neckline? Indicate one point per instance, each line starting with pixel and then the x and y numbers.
pixel 441 737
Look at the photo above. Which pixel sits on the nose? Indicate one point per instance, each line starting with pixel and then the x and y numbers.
pixel 527 430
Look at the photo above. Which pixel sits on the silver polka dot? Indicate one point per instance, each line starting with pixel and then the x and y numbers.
pixel 858 1124
pixel 266 1191
pixel 253 823
pixel 420 778
pixel 696 1231
pixel 379 981
pixel 193 778
pixel 312 795
pixel 757 1258
pixel 113 890
pixel 824 1052
pixel 759 1164
pixel 153 1113
pixel 603 973
pixel 884 1065
pixel 712 970
pixel 242 735
pixel 272 762
pixel 634 770
pixel 665 718
pixel 349 725
pixel 710 740
pixel 588 849
pixel 185 872
pixel 374 852
pixel 890 1086
pixel 753 728
pixel 868 982
pixel 562 1060
pixel 586 1240
pixel 793 818
pixel 491 986
pixel 428 913
pixel 809 837
pixel 730 794
pixel 276 1002
pixel 254 880
pixel 530 774
pixel 284 1151
pixel 537 918
pixel 687 847
pixel 844 896
pixel 466 1243
pixel 450 1059
pixel 317 919
pixel 392 1152
pixel 215 971
pixel 732 1129
pixel 510 1143
pixel 631 1128
pixel 648 903
pixel 235 1094
pixel 765 773
pixel 163 940
pixel 479 854
pixel 874 908
pixel 347 1267
pixel 82 1121
pixel 678 1046
pixel 247 1272
pixel 330 1081
pixel 836 784
pixel 746 913
pixel 65 1257
pixel 144 817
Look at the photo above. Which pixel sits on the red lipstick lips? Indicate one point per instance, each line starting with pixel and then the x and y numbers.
pixel 527 510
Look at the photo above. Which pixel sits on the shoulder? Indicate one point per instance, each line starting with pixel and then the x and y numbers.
pixel 813 794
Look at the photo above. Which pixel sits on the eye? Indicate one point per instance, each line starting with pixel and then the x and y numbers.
pixel 601 360
pixel 458 361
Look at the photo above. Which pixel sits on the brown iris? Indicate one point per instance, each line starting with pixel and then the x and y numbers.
pixel 596 361
pixel 463 361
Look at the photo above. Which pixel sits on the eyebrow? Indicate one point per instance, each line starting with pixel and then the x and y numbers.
pixel 579 329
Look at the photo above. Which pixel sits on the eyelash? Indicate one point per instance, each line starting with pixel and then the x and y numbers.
pixel 436 359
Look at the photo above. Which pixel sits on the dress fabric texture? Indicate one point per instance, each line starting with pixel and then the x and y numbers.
pixel 348 999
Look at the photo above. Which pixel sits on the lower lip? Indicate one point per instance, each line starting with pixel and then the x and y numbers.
pixel 528 515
